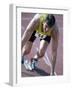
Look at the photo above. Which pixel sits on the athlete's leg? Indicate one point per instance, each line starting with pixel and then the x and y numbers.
pixel 27 48
pixel 44 42
pixel 42 49
pixel 40 53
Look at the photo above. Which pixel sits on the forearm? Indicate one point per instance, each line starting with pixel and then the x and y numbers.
pixel 53 62
pixel 54 55
pixel 55 38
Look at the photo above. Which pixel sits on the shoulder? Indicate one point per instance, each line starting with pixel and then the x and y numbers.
pixel 36 17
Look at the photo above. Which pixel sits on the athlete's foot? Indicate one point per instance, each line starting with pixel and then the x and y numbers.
pixel 34 63
pixel 27 65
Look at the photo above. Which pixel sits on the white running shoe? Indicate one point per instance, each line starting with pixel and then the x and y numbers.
pixel 27 65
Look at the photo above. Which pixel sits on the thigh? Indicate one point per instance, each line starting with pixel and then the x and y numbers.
pixel 28 45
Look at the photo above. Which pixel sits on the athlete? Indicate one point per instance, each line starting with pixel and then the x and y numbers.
pixel 45 27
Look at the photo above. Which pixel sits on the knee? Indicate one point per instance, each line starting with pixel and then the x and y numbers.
pixel 41 53
pixel 26 51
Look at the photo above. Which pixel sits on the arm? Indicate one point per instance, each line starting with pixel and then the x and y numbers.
pixel 55 37
pixel 29 30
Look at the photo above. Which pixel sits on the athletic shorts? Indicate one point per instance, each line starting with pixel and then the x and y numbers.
pixel 43 37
